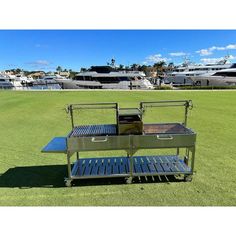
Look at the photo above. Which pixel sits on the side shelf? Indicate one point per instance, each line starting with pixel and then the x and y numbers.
pixel 56 145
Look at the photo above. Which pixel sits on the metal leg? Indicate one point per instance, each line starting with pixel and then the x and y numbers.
pixel 177 153
pixel 188 178
pixel 69 179
pixel 130 178
pixel 77 156
pixel 193 149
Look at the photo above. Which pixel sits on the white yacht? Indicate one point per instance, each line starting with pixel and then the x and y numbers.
pixel 219 78
pixel 108 77
pixel 182 74
pixel 51 81
pixel 23 79
pixel 20 81
pixel 5 82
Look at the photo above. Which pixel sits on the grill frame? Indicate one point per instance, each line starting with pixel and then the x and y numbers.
pixel 108 137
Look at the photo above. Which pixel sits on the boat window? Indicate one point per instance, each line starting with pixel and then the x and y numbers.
pixel 232 74
pixel 108 80
pixel 124 79
pixel 83 78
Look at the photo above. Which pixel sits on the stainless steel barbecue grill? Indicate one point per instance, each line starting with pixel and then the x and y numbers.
pixel 129 134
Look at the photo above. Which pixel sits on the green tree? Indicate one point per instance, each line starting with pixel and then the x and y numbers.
pixel 160 66
pixel 59 69
pixel 18 70
pixel 134 66
pixel 121 67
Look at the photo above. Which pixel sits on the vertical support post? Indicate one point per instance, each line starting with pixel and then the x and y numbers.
pixel 177 153
pixel 68 166
pixel 69 179
pixel 186 158
pixel 193 150
pixel 187 152
pixel 130 156
pixel 117 118
pixel 131 165
pixel 71 116
pixel 186 114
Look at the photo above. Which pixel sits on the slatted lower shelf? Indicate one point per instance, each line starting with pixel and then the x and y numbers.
pixel 120 167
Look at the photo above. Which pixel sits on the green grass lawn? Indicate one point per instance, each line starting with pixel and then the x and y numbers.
pixel 28 120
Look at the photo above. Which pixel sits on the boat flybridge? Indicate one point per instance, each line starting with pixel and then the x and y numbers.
pixel 108 77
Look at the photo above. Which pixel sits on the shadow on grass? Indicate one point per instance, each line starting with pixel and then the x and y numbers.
pixel 52 176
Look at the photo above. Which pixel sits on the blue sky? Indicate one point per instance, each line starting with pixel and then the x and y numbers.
pixel 73 49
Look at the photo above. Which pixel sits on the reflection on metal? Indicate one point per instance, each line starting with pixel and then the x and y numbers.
pixel 128 134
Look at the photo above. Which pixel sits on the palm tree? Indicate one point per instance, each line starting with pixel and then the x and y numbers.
pixel 121 67
pixel 170 66
pixel 134 66
pixel 59 69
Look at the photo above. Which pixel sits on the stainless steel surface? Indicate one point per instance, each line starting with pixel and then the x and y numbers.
pixel 129 121
pixel 120 167
pixel 110 137
pixel 118 142
pixel 166 128
pixel 93 130
pixel 163 141
pixel 56 145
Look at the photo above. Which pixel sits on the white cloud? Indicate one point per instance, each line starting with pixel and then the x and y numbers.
pixel 231 46
pixel 155 58
pixel 204 52
pixel 214 60
pixel 177 54
pixel 210 60
pixel 39 63
pixel 209 51
pixel 231 57
pixel 216 48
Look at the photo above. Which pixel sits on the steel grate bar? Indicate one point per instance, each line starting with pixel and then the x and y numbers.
pixel 143 165
pixel 102 168
pixel 93 130
pixel 108 167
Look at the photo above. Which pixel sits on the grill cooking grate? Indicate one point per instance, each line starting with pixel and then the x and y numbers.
pixel 93 130
pixel 165 129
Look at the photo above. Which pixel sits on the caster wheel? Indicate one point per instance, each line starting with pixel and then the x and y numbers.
pixel 188 178
pixel 129 180
pixel 186 160
pixel 68 183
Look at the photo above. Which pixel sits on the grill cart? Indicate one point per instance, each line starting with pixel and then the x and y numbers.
pixel 129 134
